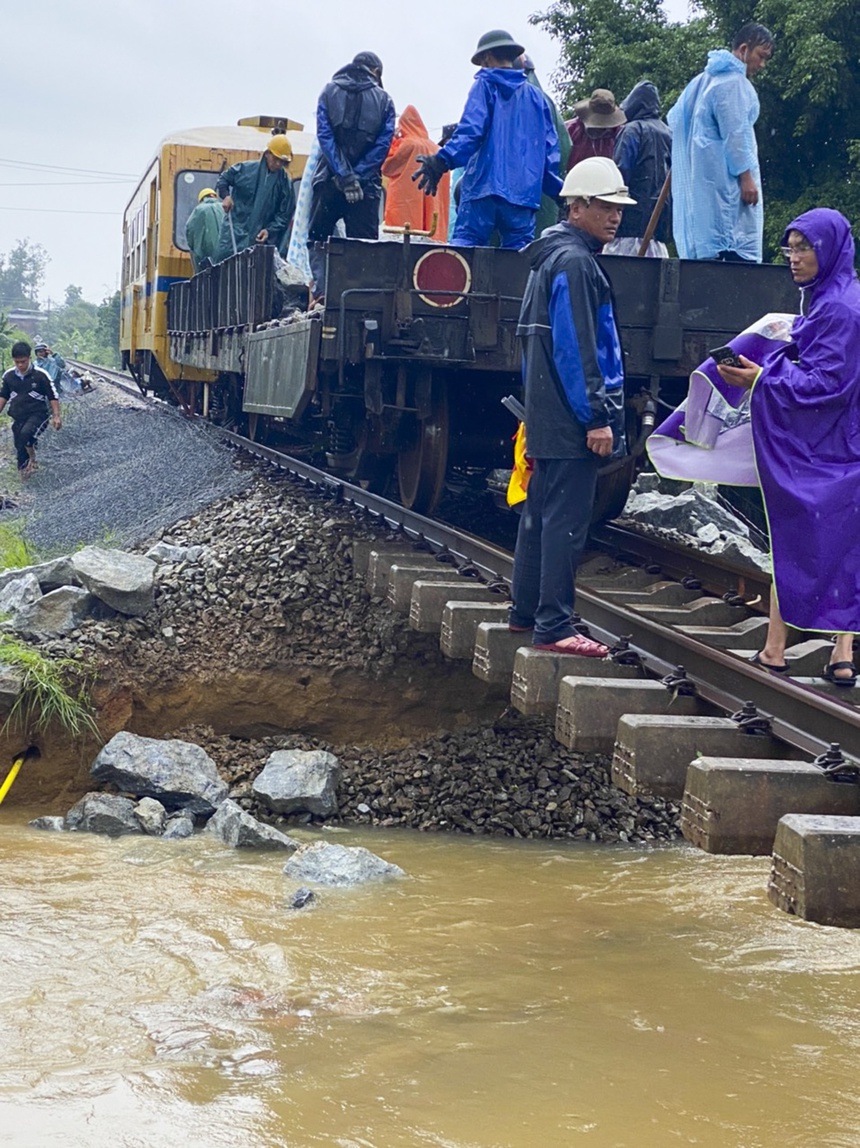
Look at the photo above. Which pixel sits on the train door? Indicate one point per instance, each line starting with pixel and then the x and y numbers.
pixel 150 224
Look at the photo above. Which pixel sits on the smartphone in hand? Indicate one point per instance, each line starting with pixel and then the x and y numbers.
pixel 725 356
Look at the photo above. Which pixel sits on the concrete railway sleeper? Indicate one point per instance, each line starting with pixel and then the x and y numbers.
pixel 753 759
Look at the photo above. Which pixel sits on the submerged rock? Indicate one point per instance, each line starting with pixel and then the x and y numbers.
pixel 179 774
pixel 301 897
pixel 294 781
pixel 239 830
pixel 122 581
pixel 51 823
pixel 339 865
pixel 103 813
pixel 179 827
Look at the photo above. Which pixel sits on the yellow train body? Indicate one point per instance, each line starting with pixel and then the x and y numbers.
pixel 154 251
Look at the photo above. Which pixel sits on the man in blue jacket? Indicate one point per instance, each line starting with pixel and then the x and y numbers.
pixel 508 144
pixel 573 373
pixel 717 209
pixel 355 127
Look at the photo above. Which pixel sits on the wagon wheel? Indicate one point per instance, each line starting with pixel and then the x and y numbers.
pixel 422 464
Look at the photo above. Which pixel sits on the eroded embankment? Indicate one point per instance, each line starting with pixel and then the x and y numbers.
pixel 269 640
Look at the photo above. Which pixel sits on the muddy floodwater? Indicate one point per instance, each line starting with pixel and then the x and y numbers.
pixel 507 994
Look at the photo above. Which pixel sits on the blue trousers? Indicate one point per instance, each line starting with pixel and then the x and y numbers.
pixel 551 538
pixel 477 219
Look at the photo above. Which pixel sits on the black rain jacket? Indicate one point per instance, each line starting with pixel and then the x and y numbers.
pixel 573 369
pixel 643 152
pixel 355 127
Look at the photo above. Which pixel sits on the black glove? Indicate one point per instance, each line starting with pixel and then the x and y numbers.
pixel 430 172
pixel 353 192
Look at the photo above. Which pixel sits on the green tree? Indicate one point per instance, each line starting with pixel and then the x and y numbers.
pixel 22 272
pixel 809 128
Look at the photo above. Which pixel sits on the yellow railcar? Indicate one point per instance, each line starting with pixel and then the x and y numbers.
pixel 154 251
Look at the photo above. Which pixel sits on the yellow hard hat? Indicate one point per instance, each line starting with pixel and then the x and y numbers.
pixel 280 146
pixel 207 191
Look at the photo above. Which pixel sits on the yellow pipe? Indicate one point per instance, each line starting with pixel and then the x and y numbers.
pixel 11 775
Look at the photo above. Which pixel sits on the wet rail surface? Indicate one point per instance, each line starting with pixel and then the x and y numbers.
pixel 805 711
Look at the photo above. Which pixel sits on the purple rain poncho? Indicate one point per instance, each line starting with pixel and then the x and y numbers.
pixel 806 435
pixel 708 438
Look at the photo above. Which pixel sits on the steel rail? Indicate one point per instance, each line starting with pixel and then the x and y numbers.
pixel 800 715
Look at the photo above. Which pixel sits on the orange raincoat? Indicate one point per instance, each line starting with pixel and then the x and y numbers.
pixel 404 201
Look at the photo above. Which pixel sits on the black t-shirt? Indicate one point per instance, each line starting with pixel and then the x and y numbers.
pixel 30 395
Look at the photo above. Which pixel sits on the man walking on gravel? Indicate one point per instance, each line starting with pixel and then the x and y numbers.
pixel 32 400
pixel 574 390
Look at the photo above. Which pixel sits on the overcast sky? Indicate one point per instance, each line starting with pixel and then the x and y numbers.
pixel 94 85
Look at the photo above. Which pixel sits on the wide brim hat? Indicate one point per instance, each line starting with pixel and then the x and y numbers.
pixel 498 38
pixel 600 110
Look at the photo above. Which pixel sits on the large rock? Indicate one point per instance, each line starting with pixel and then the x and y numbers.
pixel 294 781
pixel 20 592
pixel 50 575
pixel 10 686
pixel 103 813
pixel 342 865
pixel 239 830
pixel 151 816
pixel 122 581
pixel 54 614
pixel 180 775
pixel 686 512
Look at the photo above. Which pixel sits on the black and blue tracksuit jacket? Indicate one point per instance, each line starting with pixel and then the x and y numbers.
pixel 573 370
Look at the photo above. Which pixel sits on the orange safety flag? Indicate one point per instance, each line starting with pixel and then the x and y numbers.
pixel 523 467
pixel 404 200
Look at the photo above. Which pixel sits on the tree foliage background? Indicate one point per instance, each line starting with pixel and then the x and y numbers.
pixel 809 128
pixel 76 328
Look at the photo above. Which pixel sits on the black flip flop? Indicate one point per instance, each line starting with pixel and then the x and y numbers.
pixel 829 675
pixel 757 660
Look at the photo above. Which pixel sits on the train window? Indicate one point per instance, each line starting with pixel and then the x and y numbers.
pixel 187 187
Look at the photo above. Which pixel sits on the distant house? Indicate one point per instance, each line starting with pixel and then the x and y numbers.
pixel 27 320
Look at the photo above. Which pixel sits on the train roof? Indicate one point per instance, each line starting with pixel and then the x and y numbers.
pixel 233 136
pixel 230 136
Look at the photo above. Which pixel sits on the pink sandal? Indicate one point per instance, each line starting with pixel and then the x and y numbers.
pixel 576 644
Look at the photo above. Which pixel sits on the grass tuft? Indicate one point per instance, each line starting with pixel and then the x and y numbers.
pixel 15 551
pixel 44 698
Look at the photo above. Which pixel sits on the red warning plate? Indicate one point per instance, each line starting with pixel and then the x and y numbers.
pixel 442 271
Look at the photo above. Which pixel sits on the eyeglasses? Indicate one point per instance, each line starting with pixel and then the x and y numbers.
pixel 796 249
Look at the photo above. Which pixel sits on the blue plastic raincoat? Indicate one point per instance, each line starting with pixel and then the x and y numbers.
pixel 713 142
pixel 506 140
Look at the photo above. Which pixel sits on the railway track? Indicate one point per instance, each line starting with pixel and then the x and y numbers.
pixel 673 608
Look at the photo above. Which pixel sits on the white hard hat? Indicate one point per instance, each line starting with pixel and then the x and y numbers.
pixel 597 177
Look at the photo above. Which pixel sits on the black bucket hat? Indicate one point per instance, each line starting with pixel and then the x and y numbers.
pixel 492 41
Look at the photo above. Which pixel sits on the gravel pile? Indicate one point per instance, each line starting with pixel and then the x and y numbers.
pixel 275 587
pixel 511 779
pixel 115 473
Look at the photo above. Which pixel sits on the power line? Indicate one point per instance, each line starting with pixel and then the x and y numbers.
pixel 73 183
pixel 28 165
pixel 61 211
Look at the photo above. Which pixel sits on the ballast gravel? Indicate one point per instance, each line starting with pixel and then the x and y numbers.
pixel 117 473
